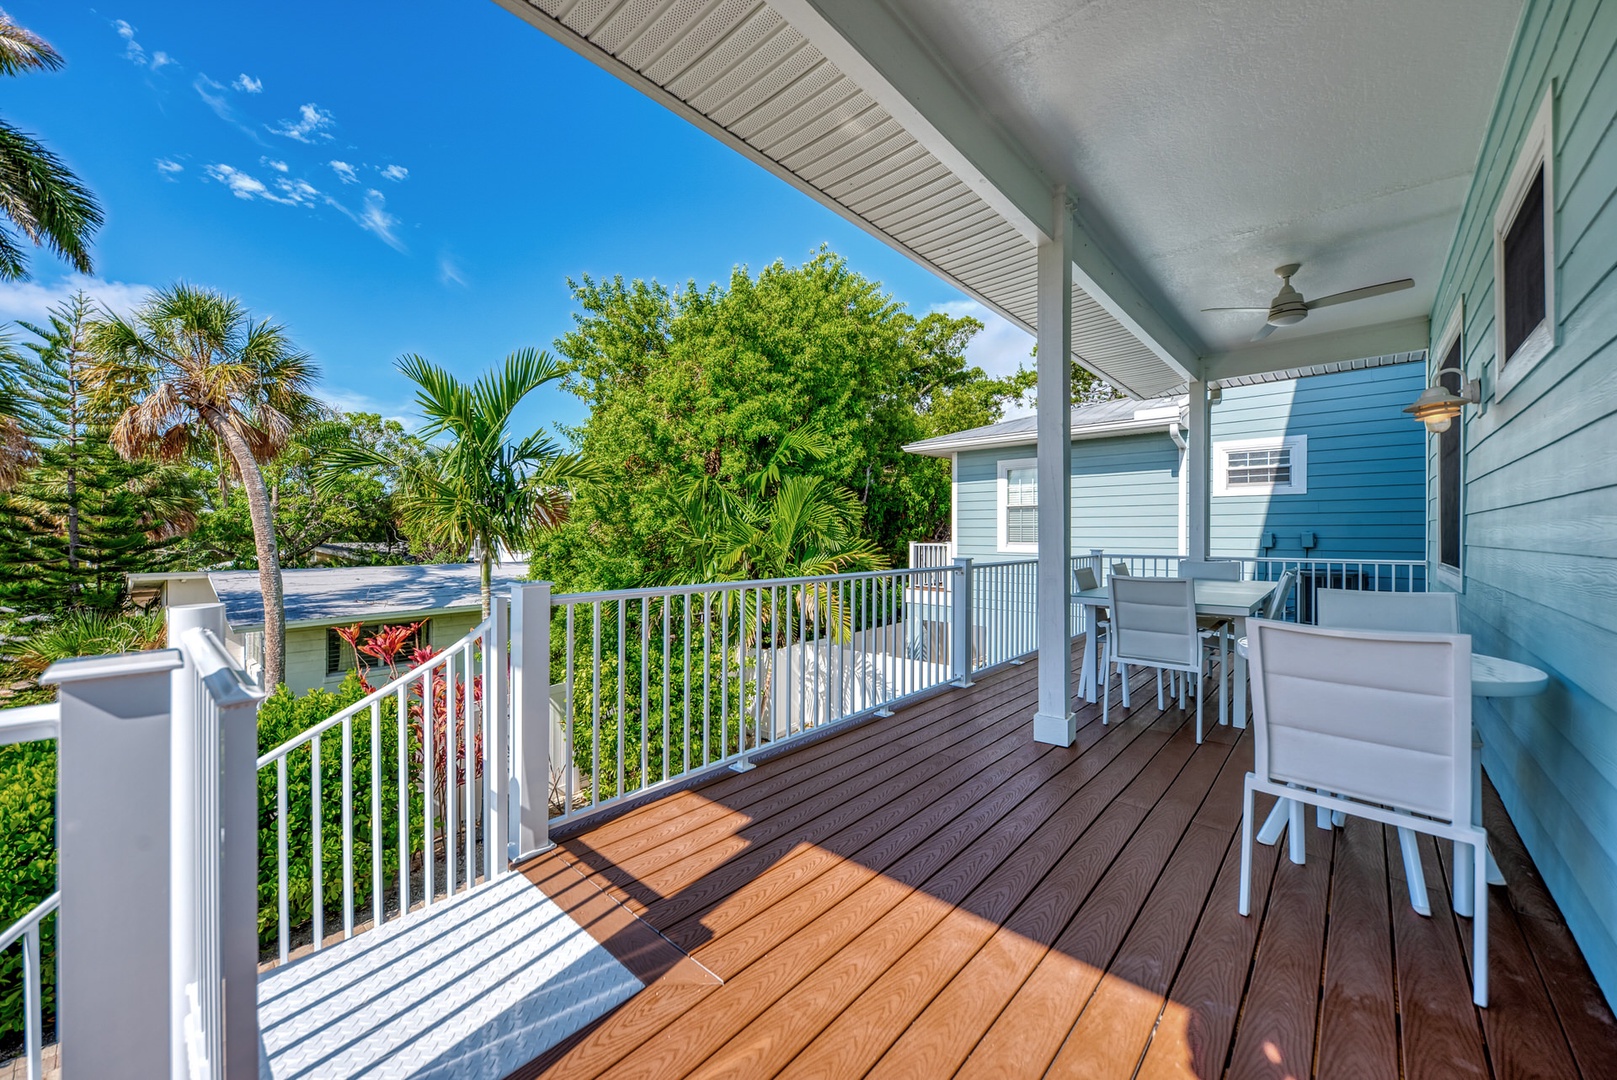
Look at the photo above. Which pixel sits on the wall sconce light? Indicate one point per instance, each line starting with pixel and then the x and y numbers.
pixel 1437 407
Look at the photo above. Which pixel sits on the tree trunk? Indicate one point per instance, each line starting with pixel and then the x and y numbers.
pixel 269 559
pixel 488 576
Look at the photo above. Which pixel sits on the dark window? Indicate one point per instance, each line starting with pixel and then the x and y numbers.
pixel 340 658
pixel 1524 268
pixel 1448 473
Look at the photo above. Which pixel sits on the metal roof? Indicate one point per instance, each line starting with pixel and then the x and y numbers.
pixel 346 594
pixel 738 69
pixel 1124 417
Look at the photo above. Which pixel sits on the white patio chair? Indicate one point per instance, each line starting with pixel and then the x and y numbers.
pixel 1410 612
pixel 1083 579
pixel 1382 720
pixel 1154 625
pixel 1215 629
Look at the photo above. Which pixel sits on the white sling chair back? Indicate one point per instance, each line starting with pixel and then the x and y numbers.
pixel 1154 625
pixel 1377 719
pixel 1412 612
pixel 1210 569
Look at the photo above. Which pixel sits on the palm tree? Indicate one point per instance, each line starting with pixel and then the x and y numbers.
pixel 42 198
pixel 190 371
pixel 475 491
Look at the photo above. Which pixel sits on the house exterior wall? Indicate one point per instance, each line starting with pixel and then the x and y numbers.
pixel 306 649
pixel 1539 529
pixel 1366 486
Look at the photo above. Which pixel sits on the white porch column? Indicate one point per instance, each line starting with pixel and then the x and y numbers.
pixel 1054 722
pixel 529 826
pixel 1199 466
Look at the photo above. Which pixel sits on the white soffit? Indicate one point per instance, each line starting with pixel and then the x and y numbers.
pixel 740 71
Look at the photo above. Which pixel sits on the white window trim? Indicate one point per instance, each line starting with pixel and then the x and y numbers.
pixel 1002 500
pixel 1538 148
pixel 1448 576
pixel 1297 444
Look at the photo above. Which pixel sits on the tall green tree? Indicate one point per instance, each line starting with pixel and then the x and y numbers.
pixel 190 372
pixel 40 196
pixel 358 514
pixel 477 489
pixel 80 517
pixel 709 381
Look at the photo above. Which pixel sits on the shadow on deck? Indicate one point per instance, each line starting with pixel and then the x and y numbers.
pixel 935 894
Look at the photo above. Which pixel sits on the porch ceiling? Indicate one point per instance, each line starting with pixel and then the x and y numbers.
pixel 1204 144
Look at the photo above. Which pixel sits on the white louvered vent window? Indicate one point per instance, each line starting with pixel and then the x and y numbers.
pixel 1019 505
pixel 1275 466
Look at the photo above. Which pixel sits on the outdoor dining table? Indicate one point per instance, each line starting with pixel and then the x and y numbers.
pixel 1236 601
pixel 1491 677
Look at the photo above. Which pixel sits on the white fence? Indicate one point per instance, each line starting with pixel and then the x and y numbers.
pixel 931 555
pixel 29 724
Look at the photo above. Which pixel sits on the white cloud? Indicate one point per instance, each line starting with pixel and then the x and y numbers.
pixel 449 271
pixel 309 127
pixel 373 218
pixel 354 401
pixel 213 94
pixel 345 172
pixel 395 172
pixel 247 84
pixel 32 300
pixel 169 168
pixel 248 187
pixel 135 53
pixel 278 166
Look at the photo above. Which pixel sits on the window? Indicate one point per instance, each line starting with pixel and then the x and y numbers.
pixel 340 659
pixel 1276 466
pixel 1019 505
pixel 1449 443
pixel 1524 256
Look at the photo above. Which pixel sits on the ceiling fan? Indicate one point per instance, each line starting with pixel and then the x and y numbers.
pixel 1289 308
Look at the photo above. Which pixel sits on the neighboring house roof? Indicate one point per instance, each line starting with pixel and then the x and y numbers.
pixel 344 594
pixel 1096 421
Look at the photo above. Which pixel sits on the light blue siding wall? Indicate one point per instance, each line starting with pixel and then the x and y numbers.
pixel 1366 483
pixel 1365 497
pixel 1125 496
pixel 1540 531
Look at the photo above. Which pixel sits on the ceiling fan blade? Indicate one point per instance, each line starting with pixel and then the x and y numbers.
pixel 1361 294
pixel 1235 309
pixel 1267 329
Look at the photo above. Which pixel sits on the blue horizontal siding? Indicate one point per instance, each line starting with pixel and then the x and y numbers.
pixel 1540 527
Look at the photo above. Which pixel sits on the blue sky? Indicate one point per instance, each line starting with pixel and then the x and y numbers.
pixel 400 177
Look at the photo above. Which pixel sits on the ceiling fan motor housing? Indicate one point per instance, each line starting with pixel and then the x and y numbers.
pixel 1288 307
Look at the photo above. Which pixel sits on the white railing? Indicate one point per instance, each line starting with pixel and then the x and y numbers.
pixel 1005 611
pixel 26 931
pixel 1371 575
pixel 29 724
pixel 652 685
pixel 440 807
pixel 931 555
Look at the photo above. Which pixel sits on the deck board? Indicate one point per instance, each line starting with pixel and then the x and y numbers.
pixel 934 894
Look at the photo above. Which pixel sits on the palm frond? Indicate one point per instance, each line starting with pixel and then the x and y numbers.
pixel 45 202
pixel 22 50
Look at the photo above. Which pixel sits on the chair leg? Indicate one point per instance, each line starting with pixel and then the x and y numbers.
pixel 1105 695
pixel 1160 705
pixel 1414 872
pixel 1479 924
pixel 1462 878
pixel 1322 818
pixel 1246 848
pixel 1123 670
pixel 1275 823
pixel 1223 678
pixel 1184 683
pixel 1299 839
pixel 1199 696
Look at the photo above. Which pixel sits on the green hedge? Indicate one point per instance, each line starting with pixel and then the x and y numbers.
pixel 282 717
pixel 27 870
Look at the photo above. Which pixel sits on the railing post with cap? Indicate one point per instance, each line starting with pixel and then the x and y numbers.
pixel 530 715
pixel 960 623
pixel 113 869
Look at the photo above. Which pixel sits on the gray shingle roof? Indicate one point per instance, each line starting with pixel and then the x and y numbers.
pixel 342 594
pixel 1086 419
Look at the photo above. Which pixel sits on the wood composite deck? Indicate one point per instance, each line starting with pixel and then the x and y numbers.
pixel 934 894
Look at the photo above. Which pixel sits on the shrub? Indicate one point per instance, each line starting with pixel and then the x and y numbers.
pixel 27 871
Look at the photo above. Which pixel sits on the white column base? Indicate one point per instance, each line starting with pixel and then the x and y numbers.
pixel 1055 730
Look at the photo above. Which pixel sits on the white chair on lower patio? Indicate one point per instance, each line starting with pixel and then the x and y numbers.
pixel 1375 724
pixel 1154 625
